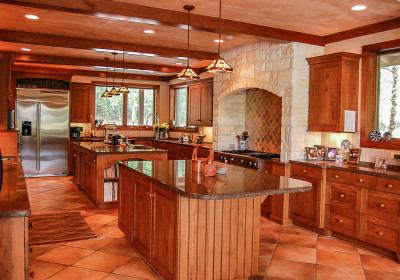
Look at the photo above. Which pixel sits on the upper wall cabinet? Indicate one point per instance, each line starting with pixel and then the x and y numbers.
pixel 333 90
pixel 200 104
pixel 81 103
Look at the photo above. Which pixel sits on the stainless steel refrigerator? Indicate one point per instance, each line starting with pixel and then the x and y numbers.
pixel 43 123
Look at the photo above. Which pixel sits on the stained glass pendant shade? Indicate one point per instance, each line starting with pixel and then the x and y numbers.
pixel 188 73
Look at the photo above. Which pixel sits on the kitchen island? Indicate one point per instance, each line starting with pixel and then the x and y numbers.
pixel 188 226
pixel 91 159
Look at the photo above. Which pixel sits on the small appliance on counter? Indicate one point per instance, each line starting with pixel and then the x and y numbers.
pixel 186 138
pixel 200 139
pixel 76 132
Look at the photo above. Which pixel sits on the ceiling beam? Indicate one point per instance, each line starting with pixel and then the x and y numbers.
pixel 158 16
pixel 76 72
pixel 61 60
pixel 90 44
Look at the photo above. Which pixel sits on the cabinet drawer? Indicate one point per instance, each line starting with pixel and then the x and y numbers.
pixel 344 196
pixel 267 168
pixel 338 176
pixel 382 205
pixel 306 171
pixel 361 180
pixel 388 185
pixel 342 221
pixel 380 232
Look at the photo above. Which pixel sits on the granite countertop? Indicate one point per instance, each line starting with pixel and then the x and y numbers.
pixel 366 168
pixel 14 200
pixel 177 176
pixel 169 140
pixel 87 139
pixel 102 148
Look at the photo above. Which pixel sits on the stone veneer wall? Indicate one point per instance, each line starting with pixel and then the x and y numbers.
pixel 280 68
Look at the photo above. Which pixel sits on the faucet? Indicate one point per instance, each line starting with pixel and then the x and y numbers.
pixel 158 125
pixel 127 136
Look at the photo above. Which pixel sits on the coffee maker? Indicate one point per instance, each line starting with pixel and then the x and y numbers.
pixel 76 132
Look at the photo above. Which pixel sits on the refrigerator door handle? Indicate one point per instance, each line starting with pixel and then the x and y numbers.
pixel 39 111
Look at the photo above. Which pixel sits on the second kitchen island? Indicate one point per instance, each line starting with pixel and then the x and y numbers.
pixel 188 226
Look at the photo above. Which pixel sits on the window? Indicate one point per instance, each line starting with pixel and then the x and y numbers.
pixel 139 104
pixel 388 116
pixel 181 102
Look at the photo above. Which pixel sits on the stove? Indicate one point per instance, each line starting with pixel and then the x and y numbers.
pixel 253 154
pixel 245 158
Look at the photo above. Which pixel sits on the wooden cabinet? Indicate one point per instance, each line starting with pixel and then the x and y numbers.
pixel 333 89
pixel 126 198
pixel 81 103
pixel 200 104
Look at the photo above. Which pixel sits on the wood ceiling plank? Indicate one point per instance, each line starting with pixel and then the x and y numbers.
pixel 88 73
pixel 90 44
pixel 48 59
pixel 158 16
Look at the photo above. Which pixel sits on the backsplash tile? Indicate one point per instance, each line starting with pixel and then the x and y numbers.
pixel 263 120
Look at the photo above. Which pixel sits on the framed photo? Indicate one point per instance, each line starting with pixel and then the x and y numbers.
pixel 354 156
pixel 330 154
pixel 381 162
pixel 312 153
pixel 321 151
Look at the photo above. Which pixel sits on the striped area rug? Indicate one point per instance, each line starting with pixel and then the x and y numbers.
pixel 58 227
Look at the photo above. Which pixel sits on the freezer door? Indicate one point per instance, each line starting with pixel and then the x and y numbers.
pixel 53 137
pixel 27 114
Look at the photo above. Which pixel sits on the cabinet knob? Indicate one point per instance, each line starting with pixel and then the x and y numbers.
pixel 305 171
pixel 361 180
pixel 32 274
pixel 30 225
pixel 341 195
pixel 31 249
pixel 337 176
pixel 150 194
pixel 390 186
pixel 380 233
pixel 266 172
pixel 381 205
pixel 340 221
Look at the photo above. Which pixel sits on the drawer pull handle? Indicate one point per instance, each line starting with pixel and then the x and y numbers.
pixel 390 186
pixel 30 225
pixel 381 205
pixel 32 274
pixel 266 172
pixel 337 176
pixel 380 233
pixel 341 195
pixel 149 194
pixel 361 180
pixel 340 221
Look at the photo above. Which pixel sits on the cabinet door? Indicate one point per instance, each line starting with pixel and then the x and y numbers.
pixel 81 103
pixel 194 117
pixel 142 216
pixel 206 103
pixel 165 215
pixel 306 205
pixel 325 102
pixel 126 198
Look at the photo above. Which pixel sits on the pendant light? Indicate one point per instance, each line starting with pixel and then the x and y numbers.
pixel 188 73
pixel 122 89
pixel 219 65
pixel 106 92
pixel 113 91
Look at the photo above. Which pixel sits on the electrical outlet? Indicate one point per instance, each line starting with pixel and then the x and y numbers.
pixel 395 155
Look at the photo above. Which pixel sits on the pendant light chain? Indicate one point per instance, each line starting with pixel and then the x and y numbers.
pixel 114 70
pixel 123 67
pixel 219 33
pixel 188 39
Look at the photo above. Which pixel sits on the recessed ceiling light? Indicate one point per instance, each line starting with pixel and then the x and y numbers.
pixel 25 49
pixel 31 16
pixel 179 63
pixel 149 31
pixel 218 41
pixel 359 8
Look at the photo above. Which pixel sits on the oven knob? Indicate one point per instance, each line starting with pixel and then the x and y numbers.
pixel 254 164
pixel 248 163
pixel 231 159
pixel 220 157
pixel 240 160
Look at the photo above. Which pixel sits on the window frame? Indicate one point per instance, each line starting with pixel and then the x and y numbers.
pixel 369 93
pixel 187 101
pixel 156 90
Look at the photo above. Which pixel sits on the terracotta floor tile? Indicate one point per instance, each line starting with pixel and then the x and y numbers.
pixel 103 261
pixel 120 246
pixel 113 276
pixel 381 275
pixel 267 249
pixel 77 273
pixel 269 237
pixel 339 259
pixel 109 231
pixel 325 272
pixel 92 244
pixel 43 270
pixel 298 240
pixel 263 263
pixel 373 262
pixel 327 243
pixel 100 219
pixel 38 250
pixel 270 227
pixel 298 254
pixel 291 270
pixel 115 223
pixel 297 231
pixel 65 255
pixel 136 267
pixel 364 251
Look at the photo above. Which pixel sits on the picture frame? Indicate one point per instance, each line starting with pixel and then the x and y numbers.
pixel 381 162
pixel 354 156
pixel 312 153
pixel 330 154
pixel 321 151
